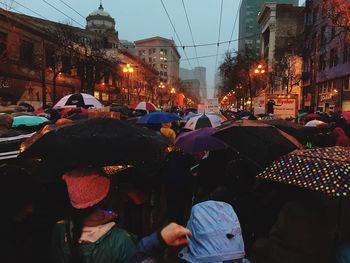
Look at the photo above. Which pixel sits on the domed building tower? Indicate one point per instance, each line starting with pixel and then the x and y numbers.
pixel 102 25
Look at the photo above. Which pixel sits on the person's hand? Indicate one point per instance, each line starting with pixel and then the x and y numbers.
pixel 175 235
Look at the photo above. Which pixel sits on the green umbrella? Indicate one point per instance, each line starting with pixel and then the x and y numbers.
pixel 29 121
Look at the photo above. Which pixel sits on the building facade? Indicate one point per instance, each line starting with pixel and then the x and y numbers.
pixel 249 29
pixel 197 73
pixel 163 56
pixel 42 61
pixel 326 63
pixel 281 35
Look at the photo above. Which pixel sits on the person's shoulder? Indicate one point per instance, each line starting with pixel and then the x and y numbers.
pixel 121 235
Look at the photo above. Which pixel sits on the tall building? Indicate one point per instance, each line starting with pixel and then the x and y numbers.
pixel 326 63
pixel 102 25
pixel 249 29
pixel 281 27
pixel 198 73
pixel 162 55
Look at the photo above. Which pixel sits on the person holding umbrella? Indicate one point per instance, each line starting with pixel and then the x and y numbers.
pixel 91 231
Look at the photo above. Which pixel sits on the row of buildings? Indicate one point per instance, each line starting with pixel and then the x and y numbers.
pixel 306 55
pixel 42 61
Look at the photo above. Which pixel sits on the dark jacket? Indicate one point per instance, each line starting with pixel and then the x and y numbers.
pixel 116 246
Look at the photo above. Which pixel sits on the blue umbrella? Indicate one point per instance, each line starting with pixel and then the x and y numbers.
pixel 158 118
pixel 29 121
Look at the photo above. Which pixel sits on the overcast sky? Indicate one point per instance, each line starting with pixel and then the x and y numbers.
pixel 137 19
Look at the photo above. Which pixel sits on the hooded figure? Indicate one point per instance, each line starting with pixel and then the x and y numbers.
pixel 217 235
pixel 341 138
pixel 168 132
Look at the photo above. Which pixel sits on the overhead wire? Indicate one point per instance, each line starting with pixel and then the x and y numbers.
pixel 234 24
pixel 27 8
pixel 177 35
pixel 54 7
pixel 190 28
pixel 71 8
pixel 219 34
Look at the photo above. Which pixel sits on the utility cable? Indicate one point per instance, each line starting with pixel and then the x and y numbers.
pixel 177 35
pixel 234 24
pixel 27 8
pixel 54 7
pixel 218 45
pixel 190 28
pixel 71 8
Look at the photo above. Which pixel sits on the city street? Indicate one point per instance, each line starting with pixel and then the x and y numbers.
pixel 175 131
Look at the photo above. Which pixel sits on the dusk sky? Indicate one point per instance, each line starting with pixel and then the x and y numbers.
pixel 137 19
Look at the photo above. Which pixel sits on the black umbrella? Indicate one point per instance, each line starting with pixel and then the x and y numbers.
pixel 258 142
pixel 98 141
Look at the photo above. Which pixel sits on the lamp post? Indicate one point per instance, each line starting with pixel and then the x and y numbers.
pixel 259 70
pixel 128 70
pixel 172 92
pixel 160 86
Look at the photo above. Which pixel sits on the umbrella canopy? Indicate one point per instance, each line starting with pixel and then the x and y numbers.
pixel 79 100
pixel 97 141
pixel 158 118
pixel 320 169
pixel 143 105
pixel 316 123
pixel 346 115
pixel 198 141
pixel 258 142
pixel 191 115
pixel 268 117
pixel 29 120
pixel 302 115
pixel 202 121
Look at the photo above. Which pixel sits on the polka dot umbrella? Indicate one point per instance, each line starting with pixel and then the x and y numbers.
pixel 320 169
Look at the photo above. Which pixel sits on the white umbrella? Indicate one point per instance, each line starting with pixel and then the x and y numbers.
pixel 202 121
pixel 315 123
pixel 78 100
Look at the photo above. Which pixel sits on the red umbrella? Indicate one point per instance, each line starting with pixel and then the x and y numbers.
pixel 143 105
pixel 346 115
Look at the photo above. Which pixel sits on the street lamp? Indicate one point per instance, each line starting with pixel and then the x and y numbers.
pixel 128 70
pixel 172 92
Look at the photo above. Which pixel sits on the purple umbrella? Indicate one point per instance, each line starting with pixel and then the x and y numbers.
pixel 198 141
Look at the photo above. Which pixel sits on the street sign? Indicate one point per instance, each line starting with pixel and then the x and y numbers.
pixel 210 105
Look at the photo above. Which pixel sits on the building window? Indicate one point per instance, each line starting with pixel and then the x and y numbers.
pixel 26 53
pixel 346 83
pixel 333 31
pixel 150 60
pixel 150 51
pixel 323 36
pixel 333 58
pixel 346 52
pixel 314 17
pixel 66 64
pixel 3 45
pixel 322 62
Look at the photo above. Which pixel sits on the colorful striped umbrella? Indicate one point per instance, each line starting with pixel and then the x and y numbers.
pixel 203 121
pixel 143 105
pixel 320 169
pixel 78 100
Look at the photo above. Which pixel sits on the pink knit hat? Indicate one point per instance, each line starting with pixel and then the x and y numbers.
pixel 86 187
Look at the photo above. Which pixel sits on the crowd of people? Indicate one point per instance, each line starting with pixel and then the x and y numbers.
pixel 203 207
